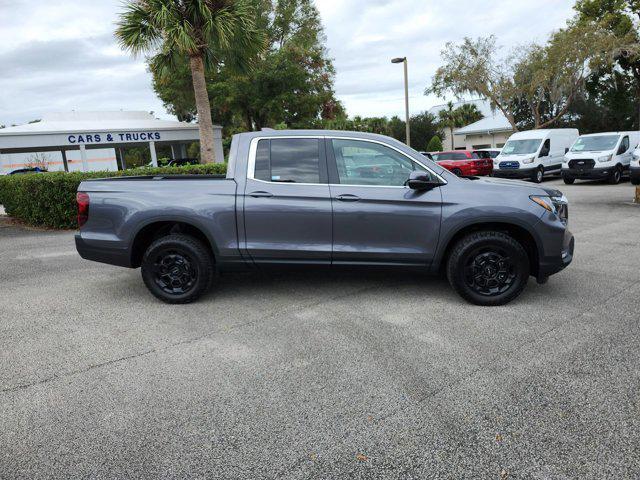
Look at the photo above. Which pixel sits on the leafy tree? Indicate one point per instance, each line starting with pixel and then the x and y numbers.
pixel 621 17
pixel 435 144
pixel 291 81
pixel 423 127
pixel 204 32
pixel 545 78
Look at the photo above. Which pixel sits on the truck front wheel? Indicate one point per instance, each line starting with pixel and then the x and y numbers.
pixel 488 268
pixel 538 174
pixel 177 268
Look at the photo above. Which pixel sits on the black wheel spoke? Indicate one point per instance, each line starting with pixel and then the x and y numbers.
pixel 174 272
pixel 490 271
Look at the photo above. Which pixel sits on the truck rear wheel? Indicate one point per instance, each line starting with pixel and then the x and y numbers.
pixel 488 268
pixel 177 268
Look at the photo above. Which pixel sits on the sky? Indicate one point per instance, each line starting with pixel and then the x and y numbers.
pixel 61 55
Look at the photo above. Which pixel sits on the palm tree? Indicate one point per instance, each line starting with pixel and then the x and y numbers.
pixel 207 32
pixel 448 119
pixel 468 114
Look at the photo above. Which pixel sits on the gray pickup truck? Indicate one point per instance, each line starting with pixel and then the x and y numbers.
pixel 326 198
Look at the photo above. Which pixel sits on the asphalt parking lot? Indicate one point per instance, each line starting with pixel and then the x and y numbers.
pixel 326 375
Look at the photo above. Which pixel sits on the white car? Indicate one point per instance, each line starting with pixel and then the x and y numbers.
pixel 493 152
pixel 534 153
pixel 600 156
pixel 634 167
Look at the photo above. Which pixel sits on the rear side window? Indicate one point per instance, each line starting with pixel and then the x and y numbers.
pixel 290 160
pixel 452 156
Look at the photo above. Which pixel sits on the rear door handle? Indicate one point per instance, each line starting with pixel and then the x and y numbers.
pixel 261 194
pixel 348 198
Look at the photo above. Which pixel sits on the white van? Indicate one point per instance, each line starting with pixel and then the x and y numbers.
pixel 534 153
pixel 598 156
pixel 634 169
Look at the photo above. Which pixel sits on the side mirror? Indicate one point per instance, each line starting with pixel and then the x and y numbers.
pixel 544 153
pixel 422 181
pixel 566 150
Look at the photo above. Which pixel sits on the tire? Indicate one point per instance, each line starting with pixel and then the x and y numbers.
pixel 478 272
pixel 568 181
pixel 457 171
pixel 616 176
pixel 177 268
pixel 538 175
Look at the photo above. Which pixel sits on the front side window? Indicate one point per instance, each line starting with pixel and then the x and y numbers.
pixel 365 163
pixel 288 160
pixel 624 145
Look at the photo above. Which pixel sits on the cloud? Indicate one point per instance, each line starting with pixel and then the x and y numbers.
pixel 363 36
pixel 62 55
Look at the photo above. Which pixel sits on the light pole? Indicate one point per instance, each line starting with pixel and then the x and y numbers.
pixel 406 94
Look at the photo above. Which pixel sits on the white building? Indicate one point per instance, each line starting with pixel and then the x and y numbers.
pixel 93 141
pixel 490 132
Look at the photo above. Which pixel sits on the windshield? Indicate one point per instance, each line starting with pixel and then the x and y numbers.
pixel 521 147
pixel 595 144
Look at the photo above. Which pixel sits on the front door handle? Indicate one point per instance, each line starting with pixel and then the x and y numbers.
pixel 261 194
pixel 348 198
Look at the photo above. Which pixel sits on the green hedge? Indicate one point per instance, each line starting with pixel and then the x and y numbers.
pixel 49 199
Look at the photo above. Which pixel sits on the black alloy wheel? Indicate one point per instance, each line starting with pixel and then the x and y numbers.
pixel 174 272
pixel 488 268
pixel 489 271
pixel 177 268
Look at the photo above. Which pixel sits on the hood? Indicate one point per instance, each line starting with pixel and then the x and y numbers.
pixel 531 188
pixel 589 153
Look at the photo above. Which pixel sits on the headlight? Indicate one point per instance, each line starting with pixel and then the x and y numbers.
pixel 544 202
pixel 528 160
pixel 606 158
pixel 558 205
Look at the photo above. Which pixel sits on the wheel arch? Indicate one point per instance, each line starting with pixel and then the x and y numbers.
pixel 158 228
pixel 520 233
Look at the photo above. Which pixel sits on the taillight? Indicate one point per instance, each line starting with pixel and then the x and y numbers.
pixel 82 199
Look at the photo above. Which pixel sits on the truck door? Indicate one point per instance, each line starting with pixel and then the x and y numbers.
pixel 624 153
pixel 287 207
pixel 547 156
pixel 376 219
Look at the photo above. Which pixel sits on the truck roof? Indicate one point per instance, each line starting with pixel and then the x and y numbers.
pixel 543 133
pixel 328 133
pixel 599 134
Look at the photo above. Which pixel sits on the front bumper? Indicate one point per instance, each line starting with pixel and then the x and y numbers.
pixel 588 173
pixel 95 253
pixel 553 264
pixel 514 173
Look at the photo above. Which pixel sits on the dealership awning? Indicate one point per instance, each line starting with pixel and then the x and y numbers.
pixel 92 130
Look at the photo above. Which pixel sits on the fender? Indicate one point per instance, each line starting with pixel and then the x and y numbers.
pixel 191 220
pixel 448 232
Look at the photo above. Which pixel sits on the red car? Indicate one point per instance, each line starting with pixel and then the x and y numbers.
pixel 465 163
